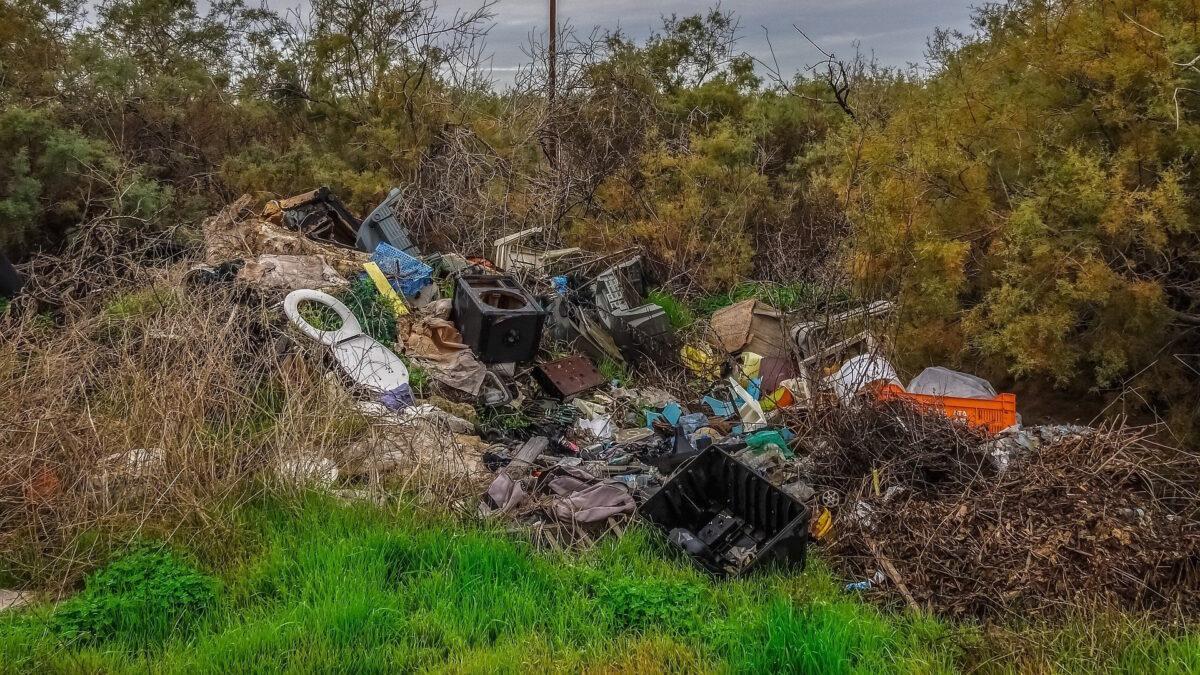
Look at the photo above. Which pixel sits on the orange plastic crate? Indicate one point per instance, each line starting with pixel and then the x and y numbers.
pixel 995 414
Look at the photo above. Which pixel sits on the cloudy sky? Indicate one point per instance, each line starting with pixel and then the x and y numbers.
pixel 894 30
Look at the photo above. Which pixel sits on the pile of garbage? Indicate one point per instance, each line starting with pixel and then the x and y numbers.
pixel 511 345
pixel 788 432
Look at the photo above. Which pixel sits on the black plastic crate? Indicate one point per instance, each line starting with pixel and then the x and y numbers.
pixel 498 319
pixel 729 519
pixel 10 281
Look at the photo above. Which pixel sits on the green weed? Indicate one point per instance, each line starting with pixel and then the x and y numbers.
pixel 785 297
pixel 376 315
pixel 418 377
pixel 678 312
pixel 321 317
pixel 502 419
pixel 611 370
pixel 140 600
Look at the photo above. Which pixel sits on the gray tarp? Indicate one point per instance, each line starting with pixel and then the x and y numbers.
pixel 939 381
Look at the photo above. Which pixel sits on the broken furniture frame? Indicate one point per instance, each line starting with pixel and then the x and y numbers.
pixel 510 256
pixel 317 214
pixel 808 336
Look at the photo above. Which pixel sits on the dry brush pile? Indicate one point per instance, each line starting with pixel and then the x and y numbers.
pixel 1101 519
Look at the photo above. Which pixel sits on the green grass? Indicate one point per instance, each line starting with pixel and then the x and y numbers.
pixel 611 370
pixel 677 311
pixel 785 297
pixel 143 303
pixel 332 588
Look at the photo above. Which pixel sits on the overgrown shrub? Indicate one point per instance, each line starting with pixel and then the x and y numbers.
pixel 1041 218
pixel 140 599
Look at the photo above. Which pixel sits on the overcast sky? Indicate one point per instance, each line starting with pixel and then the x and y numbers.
pixel 894 30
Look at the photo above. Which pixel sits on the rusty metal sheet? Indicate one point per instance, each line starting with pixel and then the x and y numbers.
pixel 568 377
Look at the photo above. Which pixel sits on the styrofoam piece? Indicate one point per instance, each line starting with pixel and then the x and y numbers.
pixel 601 427
pixel 364 360
pixel 749 409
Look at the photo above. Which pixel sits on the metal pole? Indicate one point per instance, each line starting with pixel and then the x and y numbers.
pixel 553 79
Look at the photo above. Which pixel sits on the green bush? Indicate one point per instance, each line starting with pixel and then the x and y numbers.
pixel 140 599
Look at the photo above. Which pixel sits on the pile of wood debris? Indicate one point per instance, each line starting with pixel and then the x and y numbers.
pixel 944 518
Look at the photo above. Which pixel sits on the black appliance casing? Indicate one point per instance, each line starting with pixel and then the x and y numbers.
pixel 497 334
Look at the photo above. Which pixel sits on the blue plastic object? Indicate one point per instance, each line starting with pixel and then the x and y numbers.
pixel 560 285
pixel 754 388
pixel 720 408
pixel 670 412
pixel 407 274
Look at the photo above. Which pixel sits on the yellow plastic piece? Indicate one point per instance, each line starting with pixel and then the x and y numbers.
pixel 780 398
pixel 385 288
pixel 701 361
pixel 821 526
pixel 751 365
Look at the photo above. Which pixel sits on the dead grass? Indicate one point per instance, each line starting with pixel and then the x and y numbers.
pixel 206 383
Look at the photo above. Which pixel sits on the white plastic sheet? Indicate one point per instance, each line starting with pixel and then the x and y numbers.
pixel 858 372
